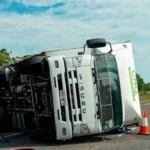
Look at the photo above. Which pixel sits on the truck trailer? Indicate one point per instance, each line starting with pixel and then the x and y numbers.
pixel 58 96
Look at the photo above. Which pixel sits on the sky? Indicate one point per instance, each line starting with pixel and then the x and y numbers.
pixel 32 26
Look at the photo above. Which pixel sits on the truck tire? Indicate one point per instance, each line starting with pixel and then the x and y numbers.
pixel 31 65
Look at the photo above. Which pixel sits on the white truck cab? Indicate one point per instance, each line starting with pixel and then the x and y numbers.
pixel 96 91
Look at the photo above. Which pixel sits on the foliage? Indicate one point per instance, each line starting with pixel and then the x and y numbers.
pixel 147 86
pixel 144 98
pixel 140 82
pixel 6 58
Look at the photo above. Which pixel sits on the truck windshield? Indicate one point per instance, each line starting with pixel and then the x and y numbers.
pixel 109 91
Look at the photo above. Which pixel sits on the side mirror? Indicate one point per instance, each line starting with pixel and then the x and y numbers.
pixel 94 43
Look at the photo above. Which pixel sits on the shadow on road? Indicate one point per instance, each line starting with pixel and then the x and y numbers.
pixel 23 141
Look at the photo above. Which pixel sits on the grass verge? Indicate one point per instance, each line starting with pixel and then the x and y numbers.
pixel 145 98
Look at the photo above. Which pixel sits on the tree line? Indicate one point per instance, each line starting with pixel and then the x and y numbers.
pixel 6 59
pixel 142 86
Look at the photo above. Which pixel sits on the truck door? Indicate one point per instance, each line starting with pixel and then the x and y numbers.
pixel 109 91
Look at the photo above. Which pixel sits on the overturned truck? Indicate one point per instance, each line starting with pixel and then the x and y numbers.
pixel 58 97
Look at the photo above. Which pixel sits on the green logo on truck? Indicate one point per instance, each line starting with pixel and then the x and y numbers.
pixel 133 82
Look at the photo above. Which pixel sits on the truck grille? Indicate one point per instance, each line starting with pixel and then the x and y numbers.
pixel 74 97
pixel 60 87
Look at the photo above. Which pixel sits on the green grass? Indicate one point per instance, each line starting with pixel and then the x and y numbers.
pixel 144 98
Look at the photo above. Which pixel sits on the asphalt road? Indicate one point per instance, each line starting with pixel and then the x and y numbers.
pixel 128 141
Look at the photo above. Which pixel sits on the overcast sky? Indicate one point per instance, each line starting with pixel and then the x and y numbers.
pixel 31 26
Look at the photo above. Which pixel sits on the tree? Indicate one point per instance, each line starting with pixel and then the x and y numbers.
pixel 140 82
pixel 5 58
pixel 147 86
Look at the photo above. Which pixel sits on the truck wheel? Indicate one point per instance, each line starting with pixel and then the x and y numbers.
pixel 31 65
